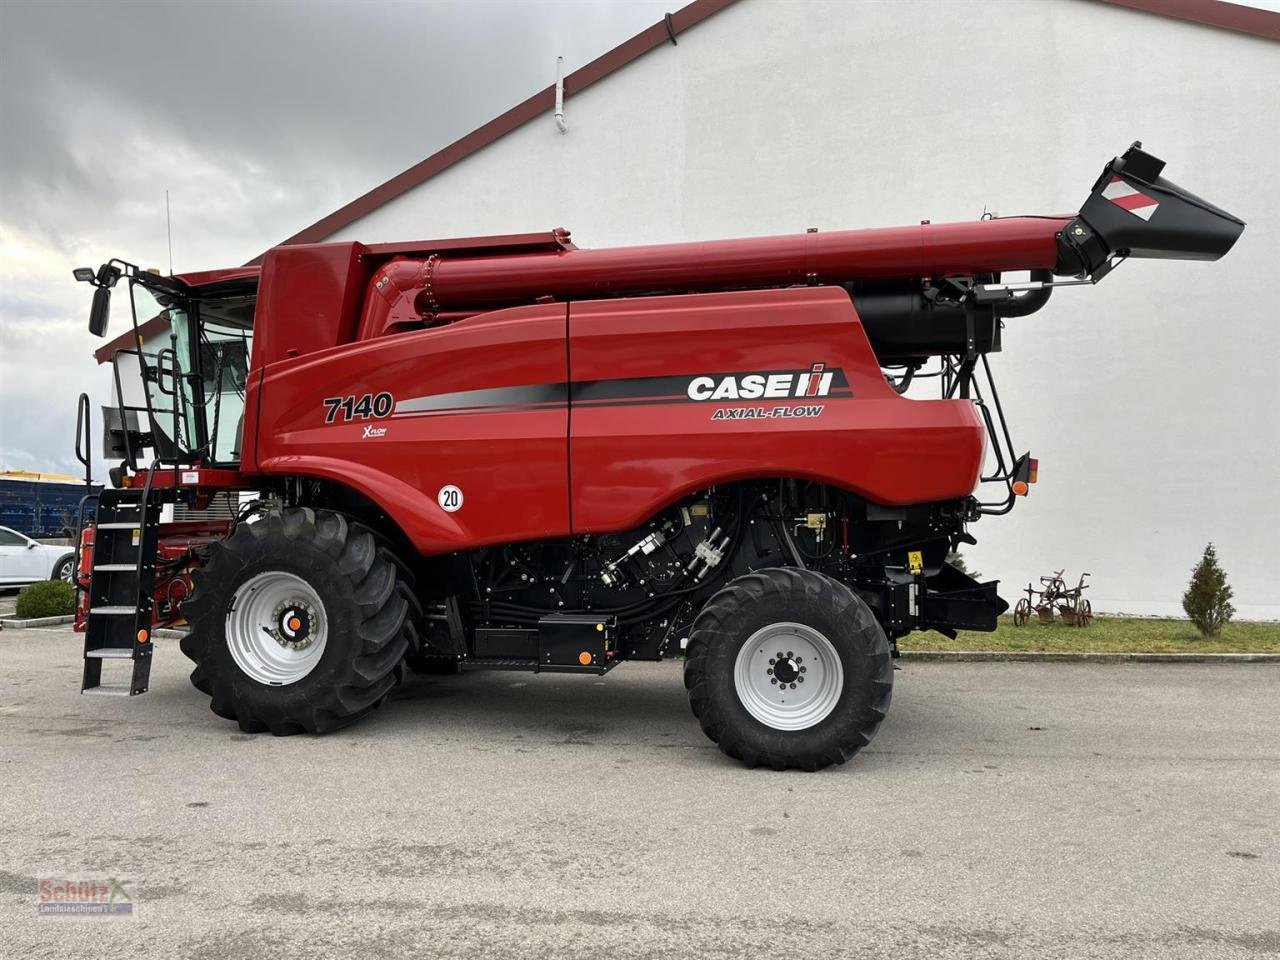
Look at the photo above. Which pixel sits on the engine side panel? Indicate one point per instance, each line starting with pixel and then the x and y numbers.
pixel 480 405
pixel 640 439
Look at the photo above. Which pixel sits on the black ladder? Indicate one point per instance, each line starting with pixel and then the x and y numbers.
pixel 120 586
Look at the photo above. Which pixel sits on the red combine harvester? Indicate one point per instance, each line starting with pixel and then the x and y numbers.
pixel 506 453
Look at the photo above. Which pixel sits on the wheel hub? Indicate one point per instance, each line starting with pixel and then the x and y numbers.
pixel 787 670
pixel 294 626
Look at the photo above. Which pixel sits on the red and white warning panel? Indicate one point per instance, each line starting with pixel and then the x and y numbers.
pixel 1128 197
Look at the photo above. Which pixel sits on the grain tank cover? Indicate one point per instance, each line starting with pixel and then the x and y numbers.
pixel 1133 211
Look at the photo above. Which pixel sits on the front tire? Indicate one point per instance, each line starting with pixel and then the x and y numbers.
pixel 298 624
pixel 788 668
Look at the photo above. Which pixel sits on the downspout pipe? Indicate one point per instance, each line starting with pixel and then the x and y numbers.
pixel 560 124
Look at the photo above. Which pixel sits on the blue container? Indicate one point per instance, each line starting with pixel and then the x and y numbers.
pixel 42 509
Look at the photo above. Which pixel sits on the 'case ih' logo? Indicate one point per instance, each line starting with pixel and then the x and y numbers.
pixel 815 382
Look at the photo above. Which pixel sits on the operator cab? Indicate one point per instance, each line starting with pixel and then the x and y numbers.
pixel 179 374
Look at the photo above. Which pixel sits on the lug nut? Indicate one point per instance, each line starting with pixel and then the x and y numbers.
pixel 793 686
pixel 800 680
pixel 779 654
pixel 772 662
pixel 804 669
pixel 769 671
pixel 773 680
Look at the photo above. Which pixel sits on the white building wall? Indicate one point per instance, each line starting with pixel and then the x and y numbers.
pixel 1151 401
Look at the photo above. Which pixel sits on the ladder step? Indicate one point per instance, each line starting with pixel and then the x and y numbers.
pixel 115 690
pixel 111 653
pixel 119 526
pixel 115 567
pixel 113 611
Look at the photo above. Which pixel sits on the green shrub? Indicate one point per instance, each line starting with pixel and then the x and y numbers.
pixel 47 598
pixel 1208 597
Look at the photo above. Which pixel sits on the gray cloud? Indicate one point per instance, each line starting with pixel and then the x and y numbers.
pixel 258 117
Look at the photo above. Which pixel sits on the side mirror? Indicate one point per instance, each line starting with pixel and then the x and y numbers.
pixel 31 544
pixel 100 311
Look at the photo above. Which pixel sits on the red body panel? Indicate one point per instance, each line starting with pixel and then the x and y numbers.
pixel 628 460
pixel 511 463
pixel 483 404
pixel 309 298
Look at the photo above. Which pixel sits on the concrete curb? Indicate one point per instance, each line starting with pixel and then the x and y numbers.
pixel 37 622
pixel 1042 656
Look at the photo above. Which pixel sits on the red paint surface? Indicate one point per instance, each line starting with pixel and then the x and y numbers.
pixel 629 461
pixel 513 464
pixel 309 298
pixel 924 250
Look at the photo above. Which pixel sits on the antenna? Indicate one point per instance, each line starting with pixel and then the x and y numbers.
pixel 168 229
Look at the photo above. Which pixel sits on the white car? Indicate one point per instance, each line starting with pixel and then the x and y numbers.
pixel 23 560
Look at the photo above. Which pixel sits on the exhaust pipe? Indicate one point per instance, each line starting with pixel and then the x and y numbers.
pixel 1132 211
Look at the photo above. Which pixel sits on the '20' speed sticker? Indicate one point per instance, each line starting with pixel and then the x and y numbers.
pixel 449 498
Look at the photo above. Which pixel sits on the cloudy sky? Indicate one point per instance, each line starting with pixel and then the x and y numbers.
pixel 258 118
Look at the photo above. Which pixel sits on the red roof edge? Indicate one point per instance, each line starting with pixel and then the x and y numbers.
pixel 664 31
pixel 1212 13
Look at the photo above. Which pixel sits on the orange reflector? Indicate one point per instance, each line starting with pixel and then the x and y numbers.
pixel 143 636
pixel 584 658
pixel 1020 488
pixel 295 623
pixel 1035 469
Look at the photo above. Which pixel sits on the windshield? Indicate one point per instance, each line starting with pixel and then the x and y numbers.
pixel 199 413
pixel 164 332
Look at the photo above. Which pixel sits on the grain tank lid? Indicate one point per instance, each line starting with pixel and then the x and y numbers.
pixel 550 241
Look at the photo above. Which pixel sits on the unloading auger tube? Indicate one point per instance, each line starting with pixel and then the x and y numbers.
pixel 1132 211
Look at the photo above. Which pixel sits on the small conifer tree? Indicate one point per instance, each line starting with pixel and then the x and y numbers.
pixel 1208 597
pixel 956 560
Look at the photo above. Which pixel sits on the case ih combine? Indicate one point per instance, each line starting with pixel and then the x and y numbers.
pixel 508 453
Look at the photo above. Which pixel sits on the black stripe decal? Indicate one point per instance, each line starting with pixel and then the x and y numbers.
pixel 629 391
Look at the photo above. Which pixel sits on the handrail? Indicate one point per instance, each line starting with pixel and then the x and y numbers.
pixel 84 453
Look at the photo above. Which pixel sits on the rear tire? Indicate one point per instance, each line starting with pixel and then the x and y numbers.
pixel 65 569
pixel 298 624
pixel 754 704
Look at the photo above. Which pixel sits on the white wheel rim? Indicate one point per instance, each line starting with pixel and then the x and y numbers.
pixel 276 628
pixel 67 574
pixel 788 676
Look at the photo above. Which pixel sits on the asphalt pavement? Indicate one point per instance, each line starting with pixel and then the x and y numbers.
pixel 1005 810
